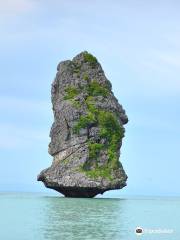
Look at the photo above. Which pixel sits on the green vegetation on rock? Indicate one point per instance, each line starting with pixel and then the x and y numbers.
pixel 95 89
pixel 75 103
pixel 90 59
pixel 109 127
pixel 99 172
pixel 111 130
pixel 94 149
pixel 84 122
pixel 71 92
pixel 85 77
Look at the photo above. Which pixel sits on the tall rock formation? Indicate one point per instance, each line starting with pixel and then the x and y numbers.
pixel 87 132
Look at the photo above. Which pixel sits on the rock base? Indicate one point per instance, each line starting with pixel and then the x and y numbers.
pixel 75 192
pixel 79 192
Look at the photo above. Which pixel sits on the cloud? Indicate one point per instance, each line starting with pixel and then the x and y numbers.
pixel 145 42
pixel 16 6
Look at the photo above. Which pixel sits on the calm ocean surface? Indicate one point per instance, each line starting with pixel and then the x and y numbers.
pixel 34 216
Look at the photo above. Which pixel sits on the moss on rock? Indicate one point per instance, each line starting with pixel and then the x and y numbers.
pixel 84 122
pixel 71 92
pixel 90 59
pixel 95 89
pixel 103 171
pixel 110 130
pixel 94 149
pixel 107 121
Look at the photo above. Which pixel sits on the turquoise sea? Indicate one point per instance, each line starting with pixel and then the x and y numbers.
pixel 26 216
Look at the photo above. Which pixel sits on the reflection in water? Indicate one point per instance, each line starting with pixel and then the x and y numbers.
pixel 67 218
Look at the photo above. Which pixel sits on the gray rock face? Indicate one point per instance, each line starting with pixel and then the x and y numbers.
pixel 87 132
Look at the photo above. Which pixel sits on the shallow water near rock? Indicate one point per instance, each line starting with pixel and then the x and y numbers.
pixel 26 216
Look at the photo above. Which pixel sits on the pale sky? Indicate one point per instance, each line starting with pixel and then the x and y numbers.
pixel 138 45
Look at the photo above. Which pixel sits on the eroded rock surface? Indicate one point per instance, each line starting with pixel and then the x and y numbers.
pixel 87 132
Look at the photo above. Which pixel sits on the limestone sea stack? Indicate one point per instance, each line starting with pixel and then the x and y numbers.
pixel 87 132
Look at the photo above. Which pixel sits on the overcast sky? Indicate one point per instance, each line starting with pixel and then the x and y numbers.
pixel 138 45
